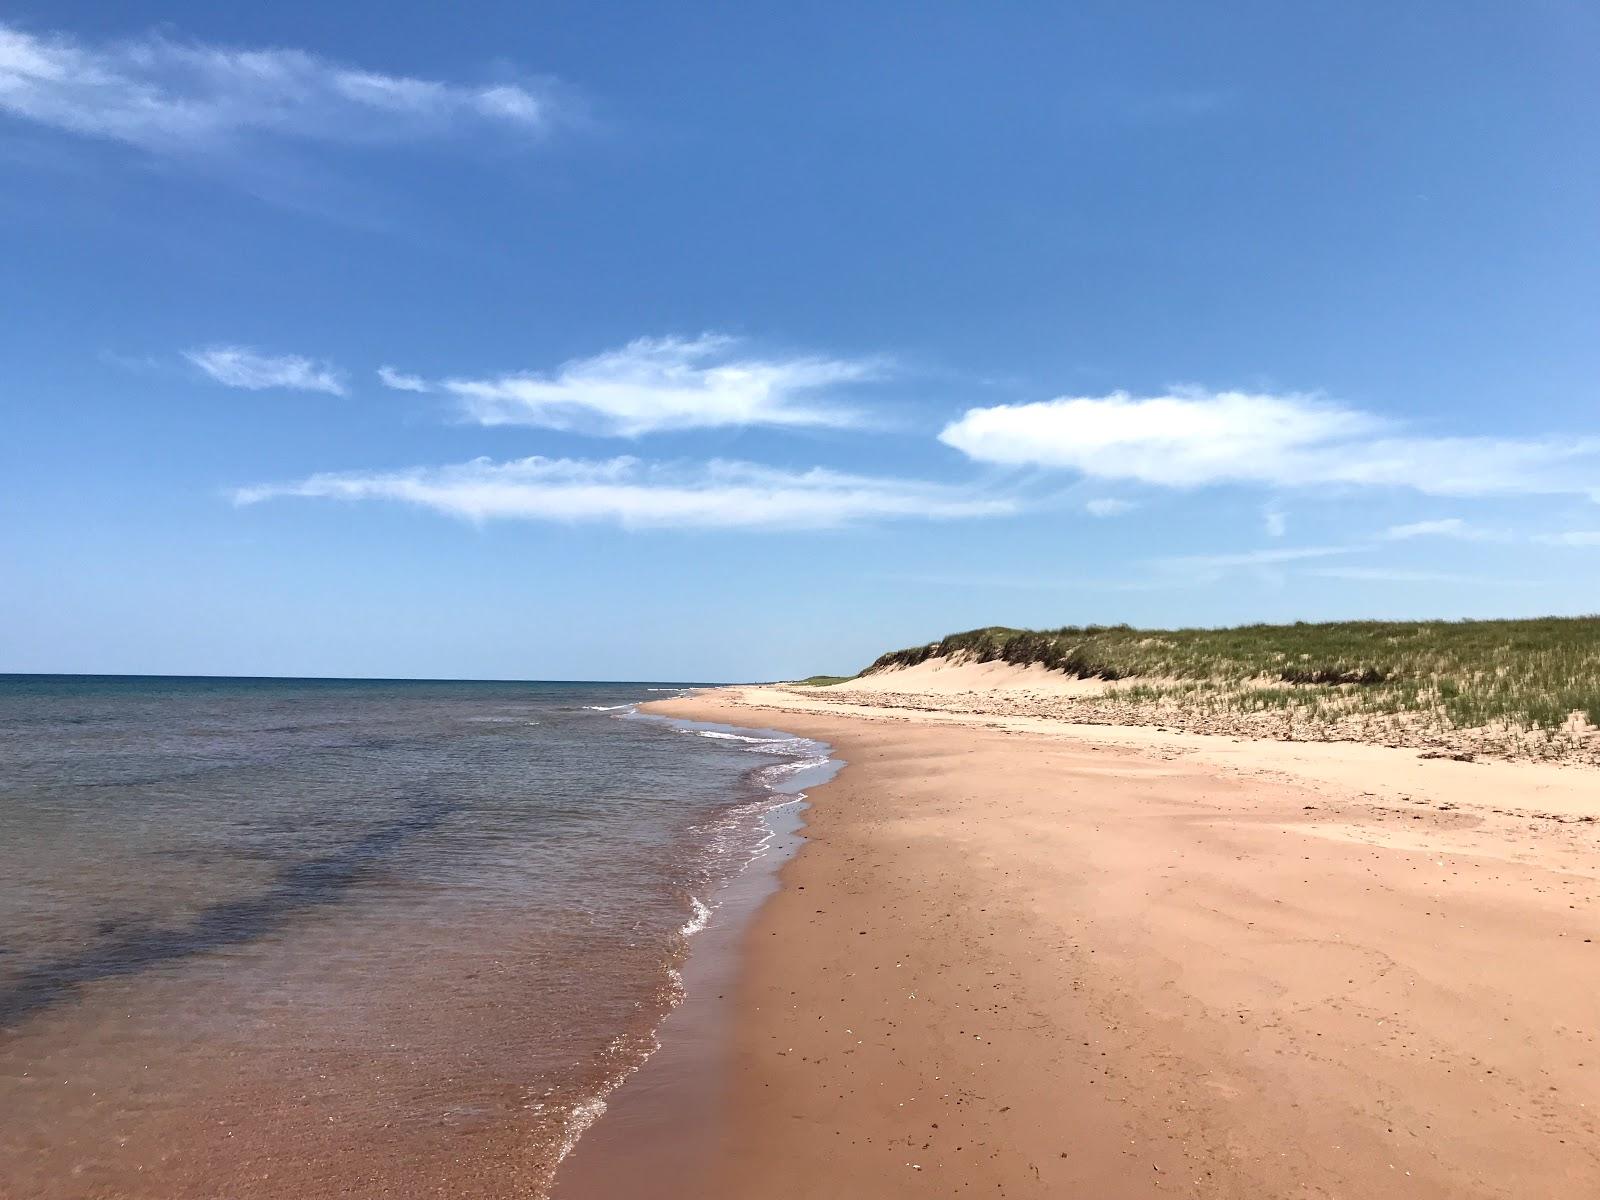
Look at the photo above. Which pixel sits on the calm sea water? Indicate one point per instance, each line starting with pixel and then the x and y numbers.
pixel 298 937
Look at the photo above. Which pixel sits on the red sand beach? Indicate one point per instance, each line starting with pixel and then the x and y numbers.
pixel 1027 959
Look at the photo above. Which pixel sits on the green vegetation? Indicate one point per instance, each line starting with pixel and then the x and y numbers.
pixel 824 680
pixel 1519 675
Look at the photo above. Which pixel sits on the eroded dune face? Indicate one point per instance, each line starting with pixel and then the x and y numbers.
pixel 945 676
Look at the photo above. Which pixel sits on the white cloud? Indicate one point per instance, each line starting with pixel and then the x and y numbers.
pixel 1194 438
pixel 655 384
pixel 242 367
pixel 1108 507
pixel 402 382
pixel 1572 537
pixel 1251 558
pixel 185 97
pixel 1175 440
pixel 1452 527
pixel 624 490
pixel 1275 521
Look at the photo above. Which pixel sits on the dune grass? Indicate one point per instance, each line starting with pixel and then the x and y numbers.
pixel 1526 674
pixel 823 680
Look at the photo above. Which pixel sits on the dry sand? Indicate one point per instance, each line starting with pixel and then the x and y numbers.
pixel 943 677
pixel 1021 958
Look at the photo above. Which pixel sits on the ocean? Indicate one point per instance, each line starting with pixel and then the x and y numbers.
pixel 327 937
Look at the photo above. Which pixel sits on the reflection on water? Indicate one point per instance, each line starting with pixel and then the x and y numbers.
pixel 329 938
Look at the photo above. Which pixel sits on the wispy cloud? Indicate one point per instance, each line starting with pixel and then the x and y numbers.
pixel 635 494
pixel 242 367
pixel 402 382
pixel 1107 506
pixel 1572 537
pixel 189 98
pixel 1196 438
pixel 656 384
pixel 1250 558
pixel 1408 575
pixel 1027 582
pixel 1447 527
pixel 1214 566
pixel 1275 521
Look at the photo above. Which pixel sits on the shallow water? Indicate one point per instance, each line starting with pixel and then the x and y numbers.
pixel 263 937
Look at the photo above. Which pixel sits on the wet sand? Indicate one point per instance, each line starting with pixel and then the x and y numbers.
pixel 1025 959
pixel 664 1124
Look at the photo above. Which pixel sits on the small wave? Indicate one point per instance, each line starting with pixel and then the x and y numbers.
pixel 582 1116
pixel 794 767
pixel 605 707
pixel 699 918
pixel 787 746
pixel 737 737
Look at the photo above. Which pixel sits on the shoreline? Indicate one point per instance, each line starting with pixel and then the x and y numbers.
pixel 1021 960
pixel 664 1120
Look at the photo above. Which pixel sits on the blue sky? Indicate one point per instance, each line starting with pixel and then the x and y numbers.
pixel 739 341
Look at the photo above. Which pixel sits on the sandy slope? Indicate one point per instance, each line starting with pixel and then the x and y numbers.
pixel 1015 961
pixel 999 689
pixel 942 677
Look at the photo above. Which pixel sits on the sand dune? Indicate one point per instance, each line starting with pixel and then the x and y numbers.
pixel 995 689
pixel 945 677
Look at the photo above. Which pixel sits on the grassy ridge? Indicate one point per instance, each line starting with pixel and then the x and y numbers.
pixel 1530 674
